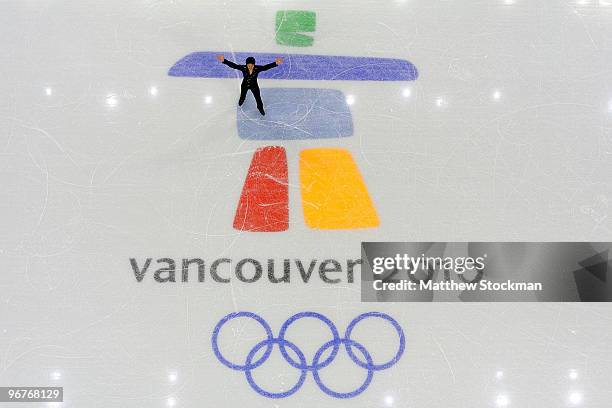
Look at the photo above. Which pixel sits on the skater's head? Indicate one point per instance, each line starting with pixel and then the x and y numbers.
pixel 250 62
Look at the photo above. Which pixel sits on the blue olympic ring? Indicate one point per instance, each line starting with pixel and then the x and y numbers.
pixel 335 340
pixel 335 343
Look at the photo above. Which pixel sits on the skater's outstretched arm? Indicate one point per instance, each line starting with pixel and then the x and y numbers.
pixel 271 65
pixel 227 62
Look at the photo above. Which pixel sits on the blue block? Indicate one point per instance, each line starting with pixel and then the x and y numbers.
pixel 298 66
pixel 295 113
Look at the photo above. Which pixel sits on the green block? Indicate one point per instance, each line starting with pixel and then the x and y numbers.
pixel 289 25
pixel 294 39
pixel 295 21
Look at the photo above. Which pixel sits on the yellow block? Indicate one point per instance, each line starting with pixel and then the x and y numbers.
pixel 334 195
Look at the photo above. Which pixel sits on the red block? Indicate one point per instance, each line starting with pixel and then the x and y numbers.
pixel 264 202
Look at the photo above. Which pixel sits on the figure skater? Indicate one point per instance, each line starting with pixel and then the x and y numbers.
pixel 249 81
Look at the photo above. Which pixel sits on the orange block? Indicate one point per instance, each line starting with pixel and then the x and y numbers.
pixel 334 195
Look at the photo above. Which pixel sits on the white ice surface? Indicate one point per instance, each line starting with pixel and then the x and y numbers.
pixel 506 135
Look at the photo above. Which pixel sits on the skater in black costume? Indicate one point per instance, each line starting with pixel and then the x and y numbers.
pixel 249 81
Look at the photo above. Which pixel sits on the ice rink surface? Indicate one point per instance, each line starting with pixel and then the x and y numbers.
pixel 505 135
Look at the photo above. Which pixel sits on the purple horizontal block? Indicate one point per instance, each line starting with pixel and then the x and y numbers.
pixel 298 66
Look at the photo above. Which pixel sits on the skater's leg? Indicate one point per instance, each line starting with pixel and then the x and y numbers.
pixel 257 96
pixel 243 92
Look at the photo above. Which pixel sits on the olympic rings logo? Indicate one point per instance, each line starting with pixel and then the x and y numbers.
pixel 365 361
